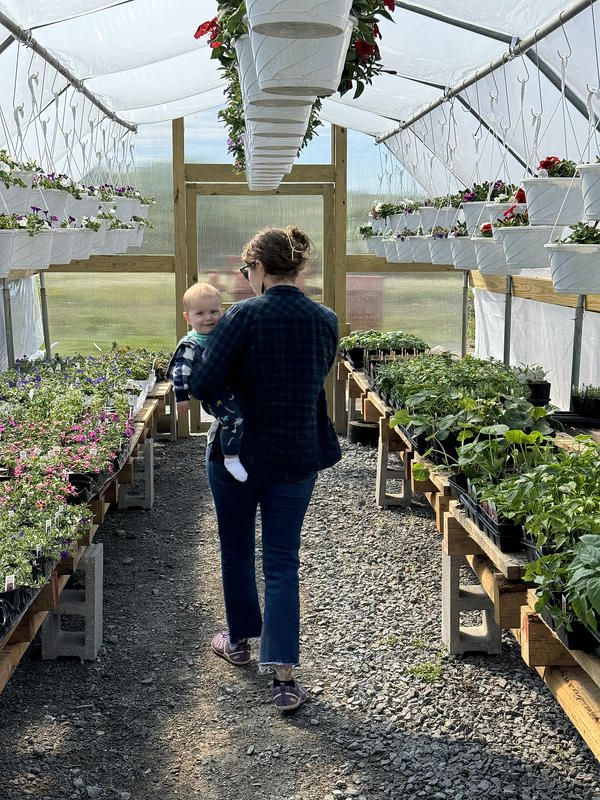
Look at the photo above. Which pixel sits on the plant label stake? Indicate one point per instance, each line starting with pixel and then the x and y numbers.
pixel 48 525
pixel 9 583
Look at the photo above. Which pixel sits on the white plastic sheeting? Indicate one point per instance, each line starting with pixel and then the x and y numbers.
pixel 26 320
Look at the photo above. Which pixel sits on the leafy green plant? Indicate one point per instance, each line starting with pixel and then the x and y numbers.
pixel 555 167
pixel 582 234
pixel 492 192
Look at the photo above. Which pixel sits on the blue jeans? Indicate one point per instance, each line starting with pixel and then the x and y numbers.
pixel 283 500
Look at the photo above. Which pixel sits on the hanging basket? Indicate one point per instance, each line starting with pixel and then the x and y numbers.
pixel 371 244
pixel 490 257
pixel 32 252
pixel 439 250
pixel 474 215
pixel 575 268
pixel 288 130
pixel 389 247
pixel 14 200
pixel 274 144
pixel 52 200
pixel 524 246
pixel 397 222
pixel 100 238
pixel 251 91
pixel 430 216
pixel 590 190
pixel 115 241
pixel 6 248
pixel 144 209
pixel 379 247
pixel 25 175
pixel 420 249
pixel 378 224
pixel 274 115
pixel 549 197
pixel 463 252
pixel 301 66
pixel 496 210
pixel 298 19
pixel 404 251
pixel 82 246
pixel 124 208
pixel 138 238
pixel 62 245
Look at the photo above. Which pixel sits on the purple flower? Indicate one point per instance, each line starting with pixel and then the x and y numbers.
pixel 54 219
pixel 498 185
pixel 36 209
pixel 64 555
pixel 468 197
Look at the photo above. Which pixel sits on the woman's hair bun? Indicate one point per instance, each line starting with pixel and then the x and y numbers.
pixel 300 240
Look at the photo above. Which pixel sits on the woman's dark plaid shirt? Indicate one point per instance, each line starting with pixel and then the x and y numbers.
pixel 274 352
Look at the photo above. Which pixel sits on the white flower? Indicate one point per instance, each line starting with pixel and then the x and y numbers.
pixel 65 182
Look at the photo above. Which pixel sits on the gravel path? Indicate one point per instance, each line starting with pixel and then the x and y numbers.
pixel 157 717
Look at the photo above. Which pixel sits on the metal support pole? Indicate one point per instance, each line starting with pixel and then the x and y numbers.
pixel 577 337
pixel 10 345
pixel 465 313
pixel 45 322
pixel 507 318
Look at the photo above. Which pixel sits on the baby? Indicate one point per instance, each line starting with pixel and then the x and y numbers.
pixel 203 309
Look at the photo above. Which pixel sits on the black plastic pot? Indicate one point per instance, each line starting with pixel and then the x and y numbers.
pixel 505 535
pixel 576 404
pixel 540 393
pixel 591 409
pixel 472 508
pixel 13 605
pixel 458 485
pixel 361 432
pixel 356 356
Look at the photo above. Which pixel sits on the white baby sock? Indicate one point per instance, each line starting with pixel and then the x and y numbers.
pixel 235 468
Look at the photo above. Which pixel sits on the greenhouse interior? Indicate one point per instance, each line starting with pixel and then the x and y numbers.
pixel 329 271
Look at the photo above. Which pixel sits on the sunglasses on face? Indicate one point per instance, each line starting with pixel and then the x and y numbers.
pixel 244 270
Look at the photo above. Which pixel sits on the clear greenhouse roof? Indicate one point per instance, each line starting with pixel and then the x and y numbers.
pixel 143 62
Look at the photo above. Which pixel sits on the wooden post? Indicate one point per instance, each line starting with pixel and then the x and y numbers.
pixel 179 203
pixel 191 221
pixel 339 155
pixel 329 269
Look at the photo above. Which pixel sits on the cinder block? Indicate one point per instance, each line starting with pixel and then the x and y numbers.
pixel 484 638
pixel 144 473
pixel 87 604
pixel 170 418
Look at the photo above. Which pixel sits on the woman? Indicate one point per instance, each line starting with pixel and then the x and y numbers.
pixel 274 351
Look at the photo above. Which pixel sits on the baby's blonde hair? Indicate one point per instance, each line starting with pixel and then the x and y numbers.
pixel 198 290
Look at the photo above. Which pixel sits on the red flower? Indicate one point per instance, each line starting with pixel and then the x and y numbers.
pixel 487 227
pixel 520 196
pixel 389 4
pixel 549 162
pixel 510 212
pixel 205 28
pixel 376 31
pixel 215 44
pixel 363 48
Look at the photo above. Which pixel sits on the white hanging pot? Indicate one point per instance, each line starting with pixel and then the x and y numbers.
pixel 32 252
pixel 144 209
pixel 275 115
pixel 137 240
pixel 116 241
pixel 404 251
pixel 371 244
pixel 301 66
pixel 26 175
pixel 463 252
pixel 379 246
pixel 389 247
pixel 575 268
pixel 62 245
pixel 52 200
pixel 420 249
pixel 378 224
pixel 413 220
pixel 439 249
pixel 397 222
pixel 263 187
pixel 475 214
pixel 496 210
pixel 287 130
pixel 124 208
pixel 135 207
pixel 100 238
pixel 82 246
pixel 490 257
pixel 444 217
pixel 14 200
pixel 289 154
pixel 92 206
pixel 549 197
pixel 298 19
pixel 524 245
pixel 124 239
pixel 74 208
pixel 590 190
pixel 251 91
pixel 6 248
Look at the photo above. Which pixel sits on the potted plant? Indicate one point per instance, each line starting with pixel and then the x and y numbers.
pixel 299 20
pixel 574 264
pixel 15 194
pixel 403 247
pixel 33 242
pixel 478 196
pixel 437 212
pixel 591 401
pixel 7 235
pixel 554 196
pixel 84 238
pixel 534 377
pixel 523 243
pixel 419 244
pixel 439 246
pixel 590 189
pixel 489 253
pixel 462 248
